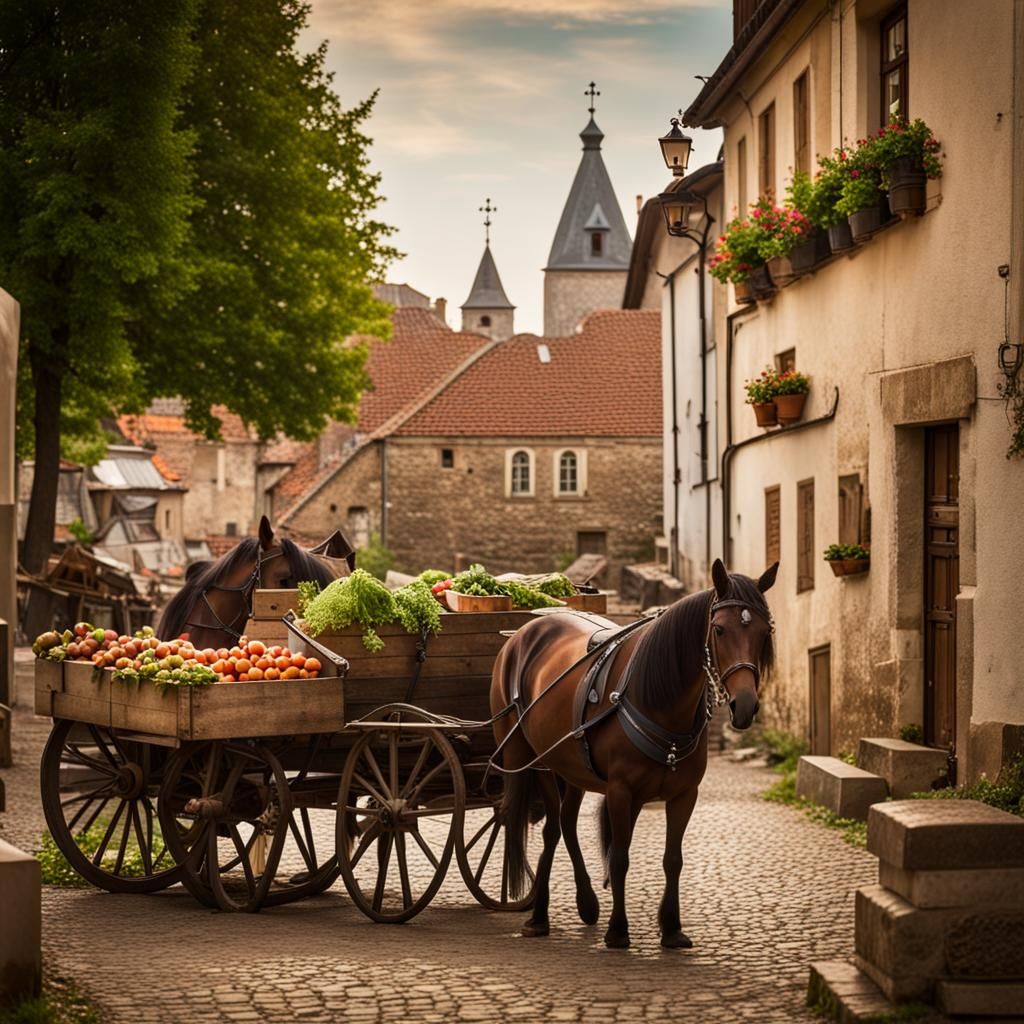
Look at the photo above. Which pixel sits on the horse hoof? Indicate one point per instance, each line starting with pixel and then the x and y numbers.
pixel 588 907
pixel 616 940
pixel 534 928
pixel 677 940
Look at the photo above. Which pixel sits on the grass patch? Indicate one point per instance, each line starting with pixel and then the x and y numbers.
pixel 1006 793
pixel 60 1003
pixel 56 870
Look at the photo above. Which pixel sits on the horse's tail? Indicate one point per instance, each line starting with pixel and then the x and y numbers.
pixel 518 809
pixel 604 823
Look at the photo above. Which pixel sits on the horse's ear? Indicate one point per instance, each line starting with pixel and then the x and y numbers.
pixel 721 579
pixel 767 580
pixel 266 533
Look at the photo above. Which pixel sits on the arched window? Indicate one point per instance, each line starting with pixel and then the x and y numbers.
pixel 521 473
pixel 485 321
pixel 568 473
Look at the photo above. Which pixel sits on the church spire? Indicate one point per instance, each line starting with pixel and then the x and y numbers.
pixel 488 310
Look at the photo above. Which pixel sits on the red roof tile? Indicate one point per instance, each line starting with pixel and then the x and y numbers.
pixel 421 354
pixel 604 381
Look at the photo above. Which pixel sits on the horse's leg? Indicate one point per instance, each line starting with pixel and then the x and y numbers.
pixel 622 815
pixel 677 817
pixel 586 901
pixel 538 923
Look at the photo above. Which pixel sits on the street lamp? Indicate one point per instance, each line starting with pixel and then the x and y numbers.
pixel 675 148
pixel 677 206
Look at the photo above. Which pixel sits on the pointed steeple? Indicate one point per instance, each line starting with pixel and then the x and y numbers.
pixel 591 236
pixel 487 310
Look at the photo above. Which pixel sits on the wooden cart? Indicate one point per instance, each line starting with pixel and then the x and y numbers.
pixel 254 794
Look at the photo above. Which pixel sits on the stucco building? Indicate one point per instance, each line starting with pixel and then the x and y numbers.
pixel 902 444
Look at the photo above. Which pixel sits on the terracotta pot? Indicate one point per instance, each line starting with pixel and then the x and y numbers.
pixel 814 249
pixel 790 408
pixel 744 296
pixel 864 223
pixel 849 566
pixel 839 237
pixel 765 414
pixel 781 270
pixel 761 283
pixel 907 186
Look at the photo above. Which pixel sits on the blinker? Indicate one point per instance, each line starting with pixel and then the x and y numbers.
pixel 745 617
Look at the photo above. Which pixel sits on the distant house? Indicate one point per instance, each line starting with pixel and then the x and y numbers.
pixel 520 453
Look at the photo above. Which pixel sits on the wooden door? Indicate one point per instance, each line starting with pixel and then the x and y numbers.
pixel 941 582
pixel 821 700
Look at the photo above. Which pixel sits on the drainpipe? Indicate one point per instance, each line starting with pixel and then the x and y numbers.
pixel 384 492
pixel 732 449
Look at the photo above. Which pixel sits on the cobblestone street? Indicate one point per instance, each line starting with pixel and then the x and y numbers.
pixel 764 892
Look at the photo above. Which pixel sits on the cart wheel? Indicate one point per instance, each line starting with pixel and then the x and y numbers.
pixel 402 793
pixel 303 870
pixel 483 858
pixel 236 795
pixel 98 794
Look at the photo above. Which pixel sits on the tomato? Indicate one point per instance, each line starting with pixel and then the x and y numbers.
pixel 298 660
pixel 243 677
pixel 303 674
pixel 163 650
pixel 282 663
pixel 243 664
pixel 290 673
pixel 312 665
pixel 272 673
pixel 274 652
pixel 255 673
pixel 257 647
pixel 228 678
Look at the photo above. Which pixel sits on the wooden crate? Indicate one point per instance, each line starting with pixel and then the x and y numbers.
pixel 78 691
pixel 268 610
pixel 597 604
pixel 455 678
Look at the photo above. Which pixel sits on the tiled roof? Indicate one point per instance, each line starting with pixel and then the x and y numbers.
pixel 282 451
pixel 604 381
pixel 421 354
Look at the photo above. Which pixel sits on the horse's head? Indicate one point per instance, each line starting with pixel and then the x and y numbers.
pixel 283 564
pixel 740 638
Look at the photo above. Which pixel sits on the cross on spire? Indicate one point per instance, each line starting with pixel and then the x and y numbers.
pixel 591 92
pixel 488 210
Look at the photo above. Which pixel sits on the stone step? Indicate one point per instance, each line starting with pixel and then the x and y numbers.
pixel 906 767
pixel 20 932
pixel 843 788
pixel 964 888
pixel 989 999
pixel 839 991
pixel 905 949
pixel 945 835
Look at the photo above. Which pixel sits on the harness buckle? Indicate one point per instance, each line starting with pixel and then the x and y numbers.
pixel 615 696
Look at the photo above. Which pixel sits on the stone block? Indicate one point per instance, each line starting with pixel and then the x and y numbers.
pixel 945 835
pixel 843 788
pixel 21 931
pixel 906 767
pixel 981 998
pixel 844 993
pixel 969 887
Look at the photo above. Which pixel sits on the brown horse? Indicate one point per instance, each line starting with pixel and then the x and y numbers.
pixel 216 600
pixel 626 720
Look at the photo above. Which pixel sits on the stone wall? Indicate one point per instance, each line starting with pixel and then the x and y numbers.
pixel 221 489
pixel 569 295
pixel 437 515
pixel 501 326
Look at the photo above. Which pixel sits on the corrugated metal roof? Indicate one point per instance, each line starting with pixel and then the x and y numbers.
pixel 124 472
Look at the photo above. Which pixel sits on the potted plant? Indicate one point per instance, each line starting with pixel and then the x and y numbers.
pixel 907 154
pixel 791 390
pixel 812 247
pixel 735 257
pixel 761 395
pixel 848 559
pixel 862 200
pixel 782 229
pixel 833 171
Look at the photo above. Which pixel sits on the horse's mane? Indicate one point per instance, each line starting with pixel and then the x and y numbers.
pixel 203 575
pixel 670 654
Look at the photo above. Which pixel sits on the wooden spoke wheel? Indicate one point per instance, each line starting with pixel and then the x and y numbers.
pixel 483 858
pixel 99 797
pixel 236 797
pixel 400 807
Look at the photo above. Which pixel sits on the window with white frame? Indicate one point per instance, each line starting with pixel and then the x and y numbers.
pixel 519 473
pixel 569 472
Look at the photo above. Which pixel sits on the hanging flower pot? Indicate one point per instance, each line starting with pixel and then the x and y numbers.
pixel 840 237
pixel 789 408
pixel 810 252
pixel 864 223
pixel 780 268
pixel 848 559
pixel 761 283
pixel 907 186
pixel 743 293
pixel 765 413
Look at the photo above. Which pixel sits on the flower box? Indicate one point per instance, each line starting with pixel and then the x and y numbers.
pixel 765 413
pixel 811 252
pixel 744 295
pixel 849 566
pixel 789 408
pixel 840 237
pixel 780 268
pixel 864 223
pixel 761 283
pixel 907 186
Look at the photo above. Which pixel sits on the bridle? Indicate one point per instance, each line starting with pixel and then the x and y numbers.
pixel 718 694
pixel 254 582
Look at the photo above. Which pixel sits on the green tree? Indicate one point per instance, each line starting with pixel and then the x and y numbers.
pixel 94 198
pixel 282 240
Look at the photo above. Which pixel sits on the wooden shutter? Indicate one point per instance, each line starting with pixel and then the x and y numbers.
pixel 851 503
pixel 802 124
pixel 821 700
pixel 772 525
pixel 742 197
pixel 766 152
pixel 805 551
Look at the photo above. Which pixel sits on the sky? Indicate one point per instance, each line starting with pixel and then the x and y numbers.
pixel 485 99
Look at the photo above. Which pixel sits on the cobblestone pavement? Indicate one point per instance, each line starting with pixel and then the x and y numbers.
pixel 764 892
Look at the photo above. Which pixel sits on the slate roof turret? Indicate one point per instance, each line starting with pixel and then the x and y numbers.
pixel 487 291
